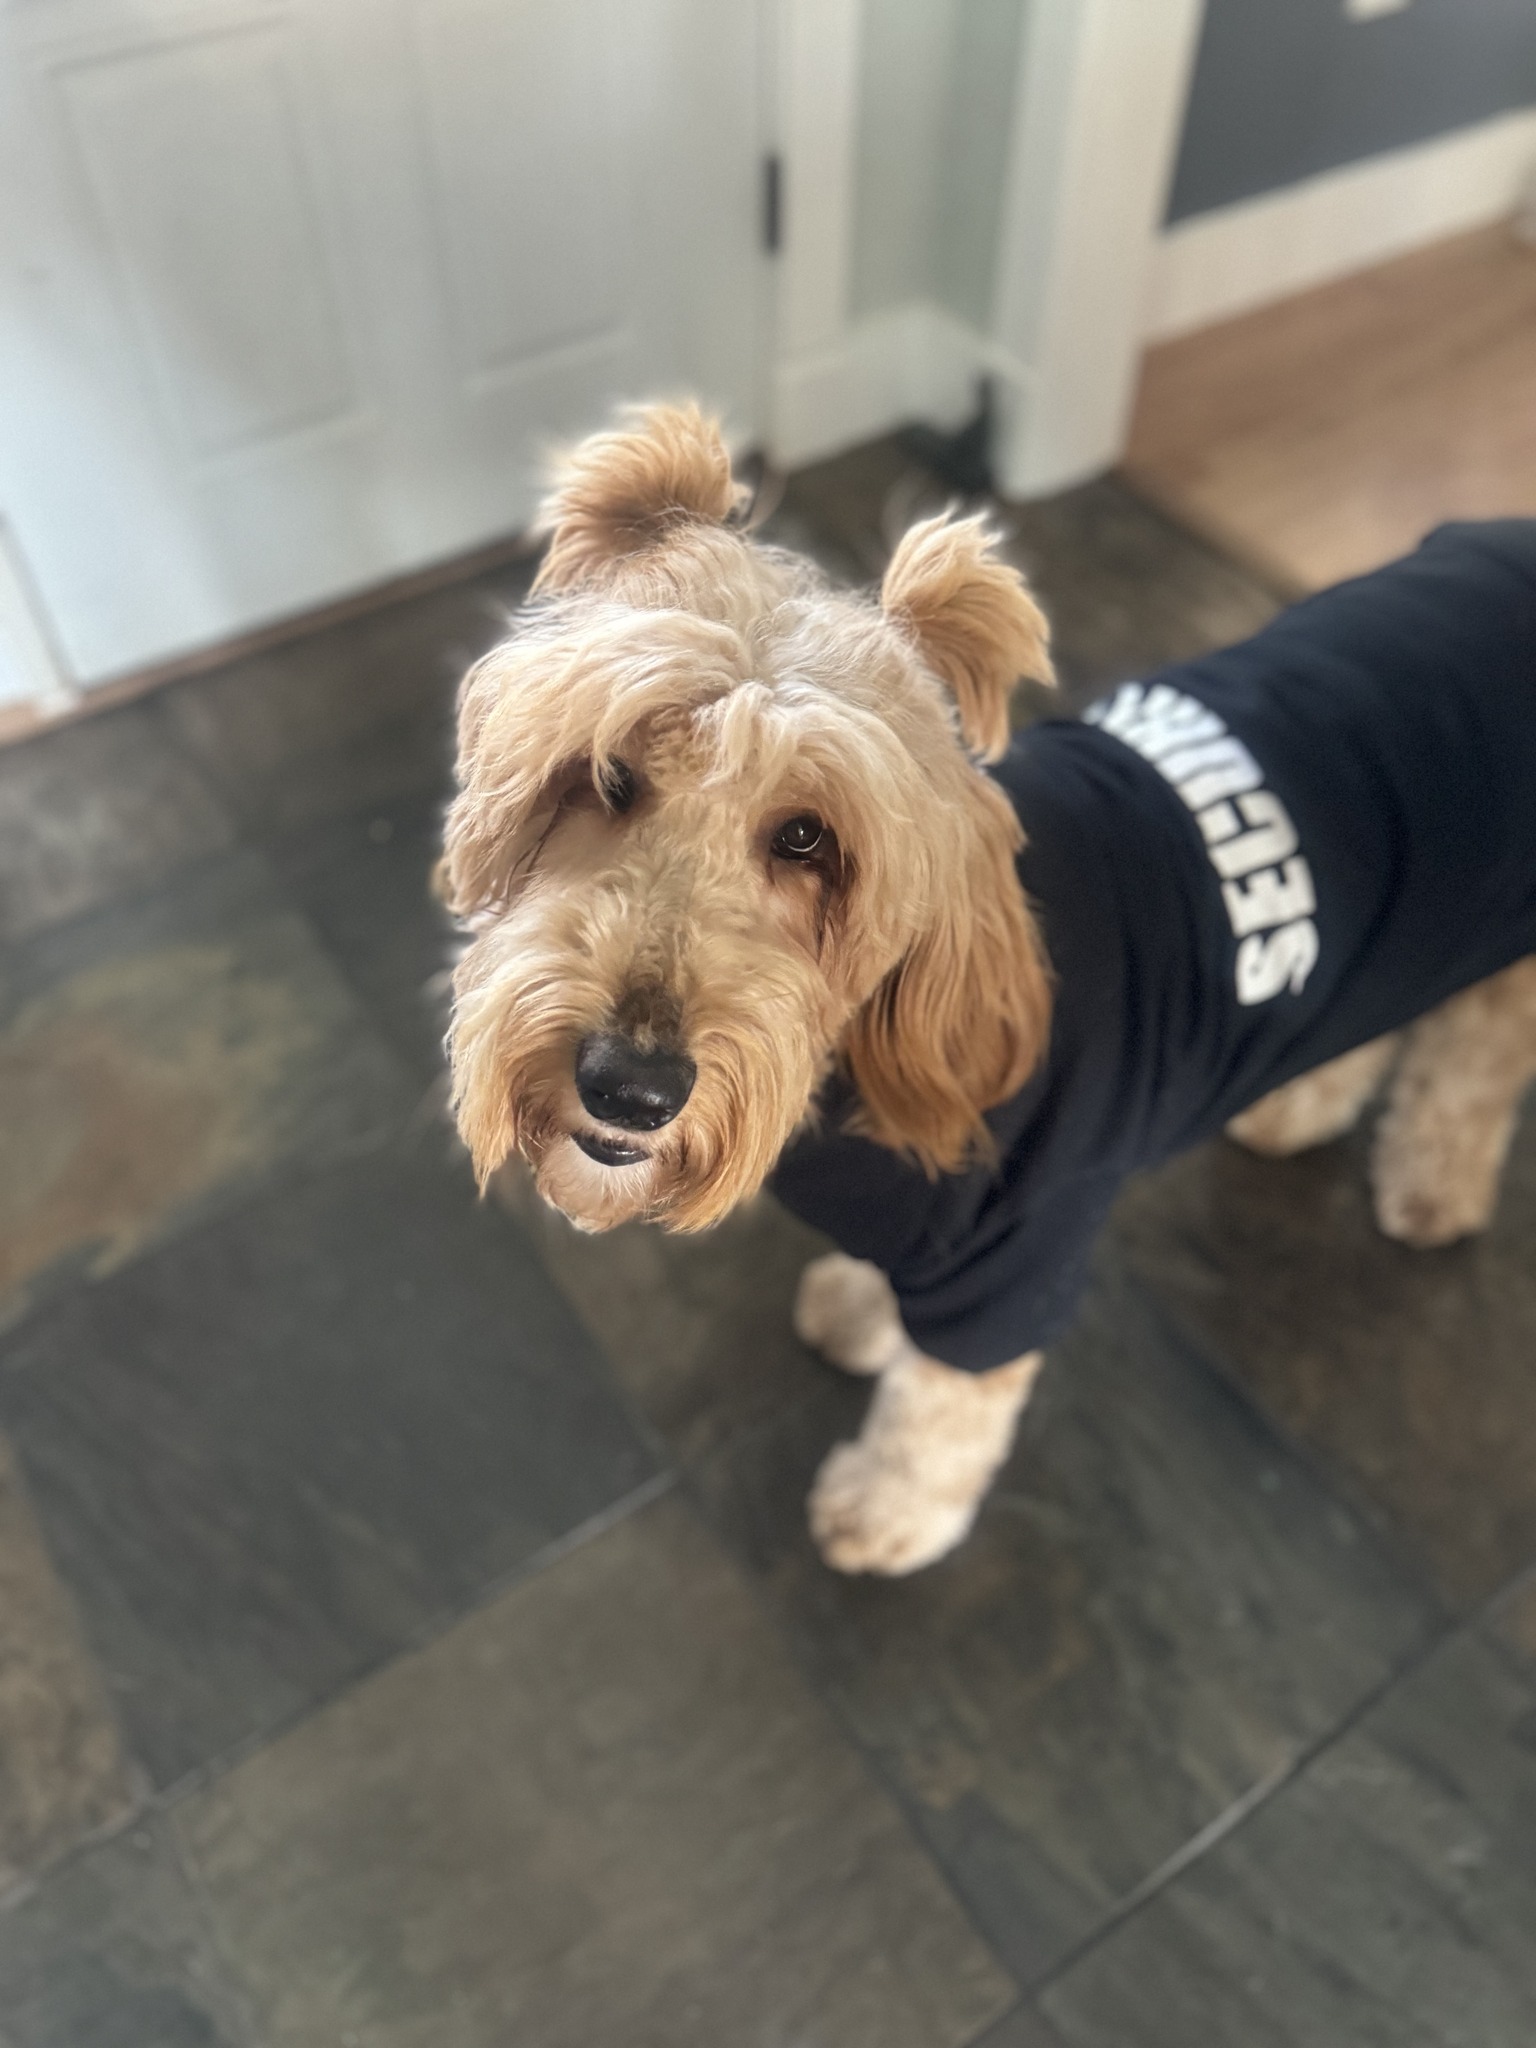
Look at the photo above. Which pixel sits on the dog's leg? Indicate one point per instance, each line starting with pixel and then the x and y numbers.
pixel 907 1491
pixel 1315 1107
pixel 846 1309
pixel 1440 1145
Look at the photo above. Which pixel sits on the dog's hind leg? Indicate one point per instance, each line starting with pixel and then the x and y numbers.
pixel 1315 1107
pixel 907 1490
pixel 1441 1142
pixel 846 1309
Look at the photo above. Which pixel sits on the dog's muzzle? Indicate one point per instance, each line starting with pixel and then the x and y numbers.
pixel 629 1089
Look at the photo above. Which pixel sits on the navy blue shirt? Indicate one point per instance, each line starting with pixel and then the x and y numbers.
pixel 1244 867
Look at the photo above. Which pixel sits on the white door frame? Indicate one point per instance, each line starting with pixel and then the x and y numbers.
pixel 1098 105
pixel 1098 111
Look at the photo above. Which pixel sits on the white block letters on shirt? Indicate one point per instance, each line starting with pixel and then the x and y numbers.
pixel 1266 882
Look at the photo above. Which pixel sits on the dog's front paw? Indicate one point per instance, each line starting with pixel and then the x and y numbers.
pixel 868 1514
pixel 845 1309
pixel 1426 1218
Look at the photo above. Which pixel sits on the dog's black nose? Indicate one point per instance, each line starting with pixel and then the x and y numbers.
pixel 620 1084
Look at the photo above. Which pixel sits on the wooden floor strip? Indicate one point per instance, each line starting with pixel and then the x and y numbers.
pixel 1324 434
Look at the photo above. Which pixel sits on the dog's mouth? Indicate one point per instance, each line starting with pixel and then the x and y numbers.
pixel 608 1151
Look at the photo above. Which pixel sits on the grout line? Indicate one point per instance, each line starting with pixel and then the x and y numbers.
pixel 1018 2008
pixel 1340 1487
pixel 159 1803
pixel 1021 2009
pixel 1440 1627
pixel 823 1695
pixel 231 1983
pixel 1258 1796
pixel 1524 1575
pixel 1204 1839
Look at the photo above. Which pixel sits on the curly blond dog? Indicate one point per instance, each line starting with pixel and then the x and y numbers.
pixel 734 875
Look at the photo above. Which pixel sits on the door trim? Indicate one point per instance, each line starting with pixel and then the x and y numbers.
pixel 1098 83
pixel 1098 111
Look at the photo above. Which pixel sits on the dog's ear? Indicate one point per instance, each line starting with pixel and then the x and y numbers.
pixel 972 619
pixel 962 1020
pixel 511 753
pixel 618 493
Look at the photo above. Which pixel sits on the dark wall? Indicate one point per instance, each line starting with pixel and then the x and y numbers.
pixel 1284 88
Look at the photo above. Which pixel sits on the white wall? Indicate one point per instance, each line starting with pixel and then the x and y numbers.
pixel 935 111
pixel 1218 264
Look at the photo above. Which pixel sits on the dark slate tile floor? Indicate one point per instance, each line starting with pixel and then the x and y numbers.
pixel 1124 588
pixel 408 1631
pixel 344 718
pixel 114 1951
pixel 605 1801
pixel 1409 1374
pixel 697 1328
pixel 271 1453
pixel 1385 1897
pixel 364 879
pixel 1159 1611
pixel 162 1056
pixel 95 812
pixel 63 1769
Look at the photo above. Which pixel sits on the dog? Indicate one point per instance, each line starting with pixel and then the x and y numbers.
pixel 757 890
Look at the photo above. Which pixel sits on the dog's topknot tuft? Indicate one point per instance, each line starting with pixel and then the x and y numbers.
pixel 973 621
pixel 619 493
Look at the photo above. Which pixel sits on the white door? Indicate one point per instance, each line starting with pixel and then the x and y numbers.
pixel 293 292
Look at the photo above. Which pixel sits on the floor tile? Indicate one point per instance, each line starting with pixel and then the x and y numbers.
pixel 1024 2027
pixel 696 1329
pixel 348 716
pixel 848 513
pixel 1158 1610
pixel 154 1060
pixel 112 1952
pixel 271 1452
pixel 602 1810
pixel 364 881
pixel 1408 1372
pixel 94 812
pixel 1385 1899
pixel 1513 1619
pixel 1125 589
pixel 62 1770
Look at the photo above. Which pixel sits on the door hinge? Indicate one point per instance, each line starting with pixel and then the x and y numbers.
pixel 773 203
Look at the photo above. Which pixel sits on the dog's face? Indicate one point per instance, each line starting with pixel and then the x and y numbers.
pixel 717 827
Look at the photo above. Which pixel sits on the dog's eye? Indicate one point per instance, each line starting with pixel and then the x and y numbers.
pixel 617 782
pixel 801 838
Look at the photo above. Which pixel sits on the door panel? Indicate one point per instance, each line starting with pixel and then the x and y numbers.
pixel 194 160
pixel 293 299
pixel 526 132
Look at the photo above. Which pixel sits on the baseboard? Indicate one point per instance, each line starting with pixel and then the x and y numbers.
pixel 1222 263
pixel 23 718
pixel 33 679
pixel 915 363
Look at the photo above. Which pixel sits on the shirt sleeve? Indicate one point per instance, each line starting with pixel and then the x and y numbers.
pixel 981 1279
pixel 1015 1287
pixel 870 1201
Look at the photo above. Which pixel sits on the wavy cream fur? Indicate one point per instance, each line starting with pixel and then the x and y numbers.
pixel 1451 1108
pixel 907 1491
pixel 739 690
